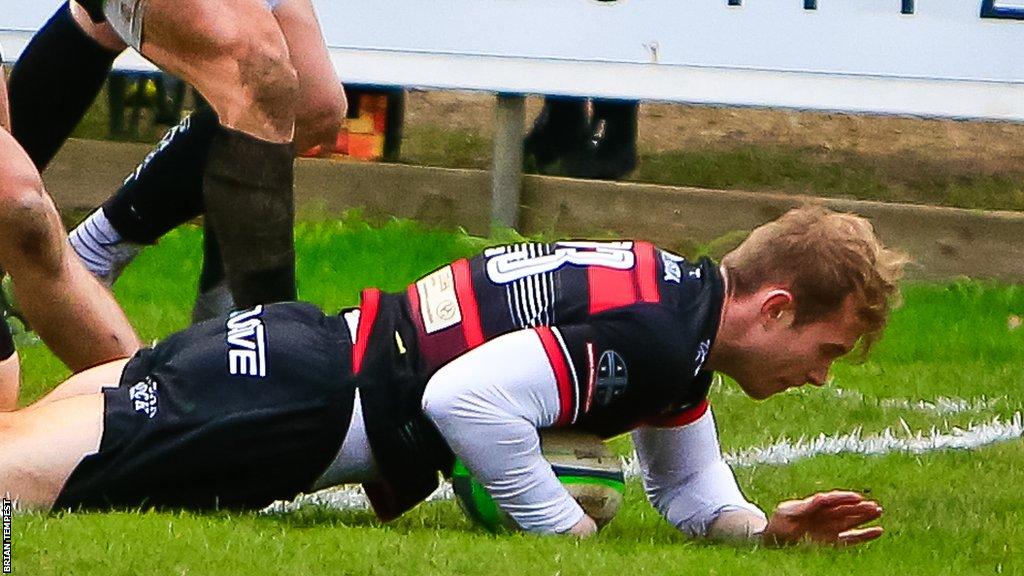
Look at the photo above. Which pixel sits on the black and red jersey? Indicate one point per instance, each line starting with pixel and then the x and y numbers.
pixel 625 325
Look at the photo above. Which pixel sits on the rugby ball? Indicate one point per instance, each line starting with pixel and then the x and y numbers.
pixel 585 465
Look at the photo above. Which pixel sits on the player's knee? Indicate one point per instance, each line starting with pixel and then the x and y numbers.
pixel 266 72
pixel 318 120
pixel 26 217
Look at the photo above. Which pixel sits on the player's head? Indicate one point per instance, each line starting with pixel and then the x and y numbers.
pixel 804 290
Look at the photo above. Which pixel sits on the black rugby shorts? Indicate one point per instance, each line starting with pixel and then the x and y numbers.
pixel 230 413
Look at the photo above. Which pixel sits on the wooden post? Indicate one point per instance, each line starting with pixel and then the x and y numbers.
pixel 507 169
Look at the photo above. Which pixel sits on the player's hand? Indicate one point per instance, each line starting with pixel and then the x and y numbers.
pixel 585 527
pixel 825 518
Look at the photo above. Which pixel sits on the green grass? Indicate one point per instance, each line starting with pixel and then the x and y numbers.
pixel 946 512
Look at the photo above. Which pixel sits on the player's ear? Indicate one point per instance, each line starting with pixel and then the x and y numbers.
pixel 777 305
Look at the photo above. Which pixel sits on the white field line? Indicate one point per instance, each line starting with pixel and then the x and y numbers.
pixel 781 452
pixel 941 405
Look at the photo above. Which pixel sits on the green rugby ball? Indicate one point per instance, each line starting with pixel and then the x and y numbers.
pixel 582 462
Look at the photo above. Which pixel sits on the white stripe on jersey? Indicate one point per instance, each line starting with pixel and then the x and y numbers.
pixel 531 298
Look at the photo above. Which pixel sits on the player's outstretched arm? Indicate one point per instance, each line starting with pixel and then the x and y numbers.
pixel 690 484
pixel 836 517
pixel 488 404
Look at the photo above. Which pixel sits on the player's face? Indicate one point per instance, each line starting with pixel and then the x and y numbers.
pixel 789 356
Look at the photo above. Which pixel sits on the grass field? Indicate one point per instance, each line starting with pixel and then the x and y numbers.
pixel 950 361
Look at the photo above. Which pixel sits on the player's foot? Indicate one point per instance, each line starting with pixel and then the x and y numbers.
pixel 213 303
pixel 601 162
pixel 101 247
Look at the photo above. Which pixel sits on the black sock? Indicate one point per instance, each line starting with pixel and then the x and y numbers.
pixel 248 195
pixel 53 83
pixel 166 190
pixel 620 119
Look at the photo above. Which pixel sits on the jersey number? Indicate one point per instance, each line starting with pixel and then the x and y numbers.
pixel 505 267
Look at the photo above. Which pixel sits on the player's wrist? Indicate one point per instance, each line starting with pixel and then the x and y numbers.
pixel 586 526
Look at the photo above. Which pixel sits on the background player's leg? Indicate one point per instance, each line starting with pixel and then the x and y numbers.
pixel 162 193
pixel 322 104
pixel 76 317
pixel 166 190
pixel 234 53
pixel 39 449
pixel 10 367
pixel 56 79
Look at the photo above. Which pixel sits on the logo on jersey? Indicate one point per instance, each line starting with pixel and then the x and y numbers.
pixel 702 355
pixel 439 305
pixel 612 377
pixel 247 343
pixel 143 397
pixel 670 263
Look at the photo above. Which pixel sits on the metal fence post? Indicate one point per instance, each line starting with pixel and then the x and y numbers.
pixel 507 169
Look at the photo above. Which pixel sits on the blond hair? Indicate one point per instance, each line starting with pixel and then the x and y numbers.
pixel 822 257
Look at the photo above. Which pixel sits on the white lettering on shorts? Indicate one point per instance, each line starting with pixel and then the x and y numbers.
pixel 247 343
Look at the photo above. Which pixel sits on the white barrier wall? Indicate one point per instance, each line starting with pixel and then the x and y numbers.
pixel 951 58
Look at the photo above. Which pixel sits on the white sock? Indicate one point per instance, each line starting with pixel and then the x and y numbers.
pixel 101 247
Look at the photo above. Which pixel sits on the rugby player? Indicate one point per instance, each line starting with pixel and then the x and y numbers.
pixel 76 316
pixel 471 360
pixel 263 67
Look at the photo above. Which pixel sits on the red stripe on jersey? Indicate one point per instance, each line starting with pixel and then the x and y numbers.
pixel 676 419
pixel 610 288
pixel 646 272
pixel 414 305
pixel 368 307
pixel 560 366
pixel 467 303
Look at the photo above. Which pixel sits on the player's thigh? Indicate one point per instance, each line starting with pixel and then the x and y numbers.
pixel 211 41
pixel 5 110
pixel 320 94
pixel 39 449
pixel 101 32
pixel 25 209
pixel 86 382
pixel 16 168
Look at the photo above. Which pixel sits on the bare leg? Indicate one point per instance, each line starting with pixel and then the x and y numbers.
pixel 234 53
pixel 76 317
pixel 5 110
pixel 321 99
pixel 41 448
pixel 84 383
pixel 10 367
pixel 10 382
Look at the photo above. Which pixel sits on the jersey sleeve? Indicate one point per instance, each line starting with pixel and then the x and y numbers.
pixel 488 404
pixel 685 477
